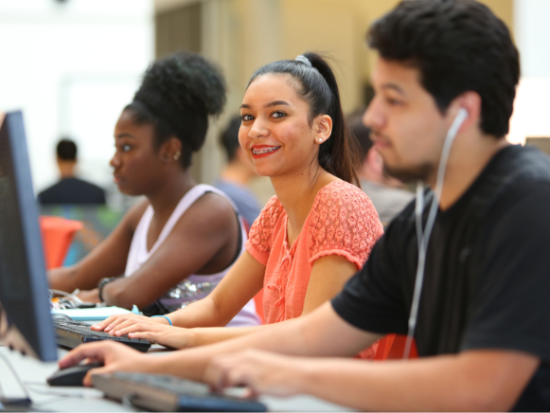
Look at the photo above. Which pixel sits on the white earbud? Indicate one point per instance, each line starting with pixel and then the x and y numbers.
pixel 423 235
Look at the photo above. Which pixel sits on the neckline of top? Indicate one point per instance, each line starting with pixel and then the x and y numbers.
pixel 289 249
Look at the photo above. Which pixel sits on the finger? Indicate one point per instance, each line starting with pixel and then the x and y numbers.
pixel 116 322
pixel 94 351
pixel 151 336
pixel 102 324
pixel 87 381
pixel 125 324
pixel 132 328
pixel 217 371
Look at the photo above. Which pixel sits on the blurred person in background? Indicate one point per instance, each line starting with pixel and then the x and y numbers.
pixel 385 192
pixel 175 246
pixel 237 174
pixel 70 189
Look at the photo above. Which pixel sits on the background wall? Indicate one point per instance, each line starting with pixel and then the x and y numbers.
pixel 530 117
pixel 243 35
pixel 71 68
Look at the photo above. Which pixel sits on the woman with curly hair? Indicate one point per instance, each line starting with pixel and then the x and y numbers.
pixel 311 237
pixel 175 246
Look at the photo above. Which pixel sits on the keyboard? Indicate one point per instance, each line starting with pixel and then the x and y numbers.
pixel 170 394
pixel 71 333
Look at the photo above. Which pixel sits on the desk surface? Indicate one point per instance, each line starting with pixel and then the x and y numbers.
pixel 34 373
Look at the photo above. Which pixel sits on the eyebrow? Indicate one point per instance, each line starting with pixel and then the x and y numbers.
pixel 268 105
pixel 395 87
pixel 124 135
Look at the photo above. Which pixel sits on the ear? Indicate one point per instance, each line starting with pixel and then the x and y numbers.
pixel 322 126
pixel 170 151
pixel 471 102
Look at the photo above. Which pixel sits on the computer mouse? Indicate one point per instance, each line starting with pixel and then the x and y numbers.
pixel 71 376
pixel 61 316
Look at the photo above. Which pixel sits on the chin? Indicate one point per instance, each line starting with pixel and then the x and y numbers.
pixel 128 190
pixel 408 175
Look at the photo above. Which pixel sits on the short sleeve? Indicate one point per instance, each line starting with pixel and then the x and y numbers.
pixel 511 305
pixel 372 300
pixel 343 222
pixel 260 238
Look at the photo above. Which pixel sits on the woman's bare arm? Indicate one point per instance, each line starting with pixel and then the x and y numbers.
pixel 204 241
pixel 327 278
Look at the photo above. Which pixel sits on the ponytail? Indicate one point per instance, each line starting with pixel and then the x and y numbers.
pixel 338 154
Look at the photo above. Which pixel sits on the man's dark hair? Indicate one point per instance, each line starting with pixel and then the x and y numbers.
pixel 66 150
pixel 458 46
pixel 230 137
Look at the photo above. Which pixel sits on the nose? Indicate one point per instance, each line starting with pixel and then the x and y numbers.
pixel 374 117
pixel 115 161
pixel 258 129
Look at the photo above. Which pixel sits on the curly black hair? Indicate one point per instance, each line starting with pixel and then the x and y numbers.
pixel 457 46
pixel 176 95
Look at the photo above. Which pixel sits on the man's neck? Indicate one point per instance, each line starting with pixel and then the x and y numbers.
pixel 470 154
pixel 66 169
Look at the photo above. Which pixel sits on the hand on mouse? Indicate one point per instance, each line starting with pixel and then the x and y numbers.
pixel 114 356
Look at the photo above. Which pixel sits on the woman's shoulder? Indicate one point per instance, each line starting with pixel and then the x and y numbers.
pixel 343 205
pixel 343 222
pixel 342 194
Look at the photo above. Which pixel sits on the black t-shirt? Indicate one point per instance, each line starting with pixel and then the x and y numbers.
pixel 487 278
pixel 72 191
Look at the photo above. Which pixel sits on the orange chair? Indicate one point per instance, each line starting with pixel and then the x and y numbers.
pixel 57 234
pixel 392 347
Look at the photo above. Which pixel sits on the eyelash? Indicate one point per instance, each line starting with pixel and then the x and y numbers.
pixel 393 102
pixel 283 114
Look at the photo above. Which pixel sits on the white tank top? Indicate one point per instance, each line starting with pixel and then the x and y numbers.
pixel 194 287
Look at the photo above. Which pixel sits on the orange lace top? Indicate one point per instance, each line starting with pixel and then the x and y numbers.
pixel 342 221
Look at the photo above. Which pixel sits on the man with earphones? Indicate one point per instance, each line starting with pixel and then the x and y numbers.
pixel 464 270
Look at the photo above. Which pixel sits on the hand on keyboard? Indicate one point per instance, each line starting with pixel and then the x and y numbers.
pixel 263 372
pixel 114 356
pixel 118 322
pixel 168 336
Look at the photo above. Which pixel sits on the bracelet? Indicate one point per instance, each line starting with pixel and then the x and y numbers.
pixel 102 283
pixel 169 322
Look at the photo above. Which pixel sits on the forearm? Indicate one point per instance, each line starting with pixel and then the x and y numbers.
pixel 63 279
pixel 212 335
pixel 283 338
pixel 440 383
pixel 202 313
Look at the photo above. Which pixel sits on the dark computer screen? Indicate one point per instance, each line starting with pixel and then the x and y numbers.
pixel 25 322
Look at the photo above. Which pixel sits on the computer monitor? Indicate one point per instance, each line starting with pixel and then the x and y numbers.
pixel 25 320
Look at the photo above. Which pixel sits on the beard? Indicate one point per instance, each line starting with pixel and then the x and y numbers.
pixel 420 173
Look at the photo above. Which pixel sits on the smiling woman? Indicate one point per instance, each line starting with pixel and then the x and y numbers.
pixel 311 237
pixel 174 247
